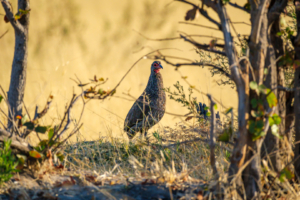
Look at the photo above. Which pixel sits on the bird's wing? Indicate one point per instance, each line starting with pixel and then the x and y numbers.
pixel 138 111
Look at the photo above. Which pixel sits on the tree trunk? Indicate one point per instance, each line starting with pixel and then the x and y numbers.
pixel 273 146
pixel 258 53
pixel 296 43
pixel 19 66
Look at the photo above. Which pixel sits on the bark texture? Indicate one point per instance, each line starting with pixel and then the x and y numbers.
pixel 258 47
pixel 296 44
pixel 19 66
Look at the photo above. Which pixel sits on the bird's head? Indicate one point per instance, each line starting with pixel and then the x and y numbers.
pixel 156 66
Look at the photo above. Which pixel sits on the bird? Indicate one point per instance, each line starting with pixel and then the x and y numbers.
pixel 150 107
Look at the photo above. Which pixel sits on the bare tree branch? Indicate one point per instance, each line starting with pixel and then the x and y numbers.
pixel 18 144
pixel 257 23
pixel 10 16
pixel 276 9
pixel 235 5
pixel 3 34
pixel 195 64
pixel 241 23
pixel 205 47
pixel 176 38
pixel 208 27
pixel 204 13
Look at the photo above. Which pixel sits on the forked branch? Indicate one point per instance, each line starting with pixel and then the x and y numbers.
pixel 10 16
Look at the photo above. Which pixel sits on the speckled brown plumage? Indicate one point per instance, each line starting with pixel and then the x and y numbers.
pixel 149 108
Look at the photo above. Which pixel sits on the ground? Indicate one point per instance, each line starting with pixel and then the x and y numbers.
pixel 59 185
pixel 173 164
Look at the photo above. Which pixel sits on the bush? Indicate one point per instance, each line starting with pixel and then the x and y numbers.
pixel 8 162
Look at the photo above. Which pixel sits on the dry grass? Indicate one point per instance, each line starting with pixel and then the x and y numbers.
pixel 104 154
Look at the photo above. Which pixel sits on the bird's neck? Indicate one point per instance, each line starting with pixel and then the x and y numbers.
pixel 155 83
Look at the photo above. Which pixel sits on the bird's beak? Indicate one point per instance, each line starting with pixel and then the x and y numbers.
pixel 161 66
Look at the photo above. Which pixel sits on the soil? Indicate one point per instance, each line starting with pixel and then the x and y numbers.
pixel 64 185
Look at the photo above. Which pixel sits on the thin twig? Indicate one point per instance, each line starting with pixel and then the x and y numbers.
pixel 163 58
pixel 205 47
pixel 26 109
pixel 62 121
pixel 235 5
pixel 10 16
pixel 237 34
pixel 143 57
pixel 286 89
pixel 177 38
pixel 71 134
pixel 203 26
pixel 203 12
pixel 3 34
pixel 241 23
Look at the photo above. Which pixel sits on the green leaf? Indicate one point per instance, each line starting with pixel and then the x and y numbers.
pixel 274 130
pixel 251 126
pixel 41 129
pixel 29 125
pixel 206 108
pixel 271 98
pixel 1 97
pixel 254 103
pixel 271 121
pixel 50 133
pixel 208 114
pixel 215 107
pixel 21 159
pixel 260 124
pixel 17 16
pixel 25 118
pixel 60 156
pixel 285 173
pixel 277 119
pixel 35 154
pixel 262 89
pixel 256 113
pixel 288 174
pixel 156 135
pixel 253 85
pixel 101 92
pixel 24 12
pixel 265 71
pixel 279 34
pixel 224 137
pixel 258 135
pixel 228 110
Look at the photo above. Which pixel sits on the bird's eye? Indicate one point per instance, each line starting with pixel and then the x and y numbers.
pixel 155 64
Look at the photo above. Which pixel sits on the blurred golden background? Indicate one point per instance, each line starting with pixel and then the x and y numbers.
pixel 99 37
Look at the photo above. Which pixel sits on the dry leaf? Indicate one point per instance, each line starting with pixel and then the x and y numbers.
pixel 192 14
pixel 90 178
pixel 188 118
pixel 6 19
pixel 296 64
pixel 212 43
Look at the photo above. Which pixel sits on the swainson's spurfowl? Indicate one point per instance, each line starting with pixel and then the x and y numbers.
pixel 150 107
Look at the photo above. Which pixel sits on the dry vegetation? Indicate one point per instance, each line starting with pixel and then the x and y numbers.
pixel 96 37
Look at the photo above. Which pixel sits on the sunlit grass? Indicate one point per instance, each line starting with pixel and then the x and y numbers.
pixel 166 144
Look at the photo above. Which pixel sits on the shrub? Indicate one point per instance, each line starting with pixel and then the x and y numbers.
pixel 8 162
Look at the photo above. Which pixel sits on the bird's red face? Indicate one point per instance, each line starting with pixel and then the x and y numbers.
pixel 156 66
